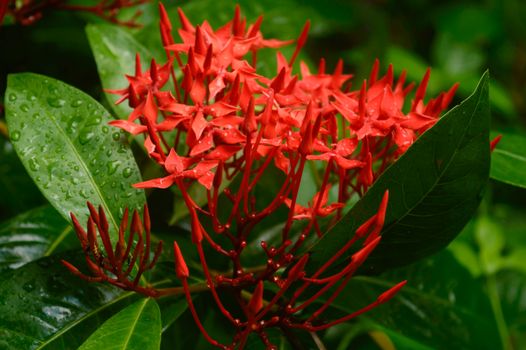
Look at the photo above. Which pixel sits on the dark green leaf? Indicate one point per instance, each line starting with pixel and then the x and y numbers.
pixel 42 305
pixel 508 160
pixel 114 50
pixel 62 137
pixel 441 306
pixel 138 326
pixel 434 189
pixel 32 235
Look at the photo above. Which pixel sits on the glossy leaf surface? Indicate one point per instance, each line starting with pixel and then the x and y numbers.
pixel 32 235
pixel 41 303
pixel 62 137
pixel 434 189
pixel 138 326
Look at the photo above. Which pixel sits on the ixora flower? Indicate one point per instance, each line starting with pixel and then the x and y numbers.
pixel 209 117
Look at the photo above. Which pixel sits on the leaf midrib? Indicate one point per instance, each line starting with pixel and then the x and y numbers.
pixel 439 176
pixel 70 144
pixel 139 313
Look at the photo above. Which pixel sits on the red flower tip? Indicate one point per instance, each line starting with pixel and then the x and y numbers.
pixel 301 41
pixel 197 229
pixel 181 269
pixel 296 270
pixel 185 23
pixel 256 302
pixel 494 142
pixel 388 294
pixel 359 257
pixel 382 209
pixel 165 20
pixel 374 72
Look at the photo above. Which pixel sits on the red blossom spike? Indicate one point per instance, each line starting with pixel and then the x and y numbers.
pixel 180 265
pixel 321 67
pixel 421 91
pixel 494 143
pixel 185 23
pixel 165 20
pixel 387 295
pixel 200 45
pixel 300 43
pixel 256 302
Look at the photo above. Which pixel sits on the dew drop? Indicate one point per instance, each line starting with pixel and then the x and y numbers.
pixel 24 108
pixel 116 136
pixel 12 97
pixel 109 153
pixel 15 135
pixel 76 103
pixel 33 164
pixel 36 116
pixel 56 102
pixel 127 172
pixel 105 129
pixel 75 181
pixel 93 162
pixel 112 167
pixel 84 194
pixel 85 136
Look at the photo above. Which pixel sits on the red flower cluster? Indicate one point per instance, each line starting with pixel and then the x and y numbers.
pixel 226 126
pixel 27 12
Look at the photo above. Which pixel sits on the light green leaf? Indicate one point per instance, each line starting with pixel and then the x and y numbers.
pixel 114 51
pixel 508 160
pixel 138 326
pixel 63 138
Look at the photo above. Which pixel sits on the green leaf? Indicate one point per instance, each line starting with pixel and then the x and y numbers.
pixel 44 306
pixel 18 193
pixel 138 326
pixel 114 51
pixel 62 137
pixel 441 306
pixel 32 235
pixel 434 189
pixel 508 160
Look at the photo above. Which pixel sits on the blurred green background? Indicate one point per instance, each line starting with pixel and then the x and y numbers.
pixel 459 40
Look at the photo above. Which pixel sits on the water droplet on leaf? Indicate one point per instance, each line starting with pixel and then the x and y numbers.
pixel 56 102
pixel 85 136
pixel 76 103
pixel 127 172
pixel 15 135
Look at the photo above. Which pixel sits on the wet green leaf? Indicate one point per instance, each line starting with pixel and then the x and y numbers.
pixel 114 51
pixel 508 160
pixel 434 189
pixel 138 326
pixel 43 306
pixel 63 138
pixel 32 235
